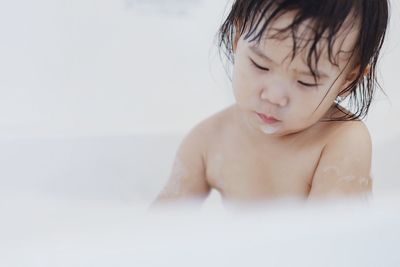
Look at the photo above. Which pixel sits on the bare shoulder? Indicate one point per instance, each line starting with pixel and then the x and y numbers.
pixel 345 162
pixel 209 129
pixel 349 134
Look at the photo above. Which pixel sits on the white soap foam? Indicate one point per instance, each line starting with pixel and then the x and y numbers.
pixel 268 129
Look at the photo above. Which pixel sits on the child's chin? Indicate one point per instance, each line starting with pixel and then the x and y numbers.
pixel 269 129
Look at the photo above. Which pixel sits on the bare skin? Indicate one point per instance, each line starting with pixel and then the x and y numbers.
pixel 245 167
pixel 301 155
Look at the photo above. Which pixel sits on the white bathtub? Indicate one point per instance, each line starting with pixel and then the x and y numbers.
pixel 82 202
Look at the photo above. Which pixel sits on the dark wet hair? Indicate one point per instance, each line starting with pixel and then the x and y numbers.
pixel 328 17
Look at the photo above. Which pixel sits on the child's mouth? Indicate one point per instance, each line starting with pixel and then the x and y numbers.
pixel 267 119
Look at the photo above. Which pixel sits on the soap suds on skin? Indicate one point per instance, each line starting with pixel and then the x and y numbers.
pixel 269 129
pixel 217 165
pixel 362 180
pixel 174 186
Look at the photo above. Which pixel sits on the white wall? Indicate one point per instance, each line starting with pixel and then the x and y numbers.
pixel 383 120
pixel 78 68
pixel 101 68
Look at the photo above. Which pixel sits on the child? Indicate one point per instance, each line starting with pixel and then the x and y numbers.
pixel 294 62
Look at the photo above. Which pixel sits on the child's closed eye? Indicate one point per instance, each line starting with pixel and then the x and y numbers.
pixel 308 84
pixel 305 84
pixel 258 66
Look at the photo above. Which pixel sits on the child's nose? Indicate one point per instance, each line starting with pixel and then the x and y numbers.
pixel 276 96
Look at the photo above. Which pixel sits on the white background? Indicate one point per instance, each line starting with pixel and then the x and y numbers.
pixel 122 67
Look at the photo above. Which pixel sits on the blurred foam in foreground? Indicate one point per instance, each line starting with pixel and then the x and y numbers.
pixel 60 232
pixel 83 202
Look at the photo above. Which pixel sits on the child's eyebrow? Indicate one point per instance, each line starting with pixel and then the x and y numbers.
pixel 257 51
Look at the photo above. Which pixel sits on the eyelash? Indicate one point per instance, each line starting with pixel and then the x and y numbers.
pixel 258 67
pixel 266 69
pixel 307 84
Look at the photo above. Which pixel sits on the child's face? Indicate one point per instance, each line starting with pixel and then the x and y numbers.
pixel 285 89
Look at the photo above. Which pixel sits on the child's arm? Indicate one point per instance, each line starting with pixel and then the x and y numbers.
pixel 345 164
pixel 187 180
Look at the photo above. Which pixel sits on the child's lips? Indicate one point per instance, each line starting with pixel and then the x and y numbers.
pixel 267 119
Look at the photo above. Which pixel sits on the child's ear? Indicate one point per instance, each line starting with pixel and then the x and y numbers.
pixel 351 76
pixel 235 42
pixel 237 36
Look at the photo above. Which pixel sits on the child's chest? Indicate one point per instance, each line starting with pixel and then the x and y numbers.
pixel 247 173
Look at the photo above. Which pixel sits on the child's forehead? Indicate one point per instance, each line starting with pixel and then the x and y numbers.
pixel 279 33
